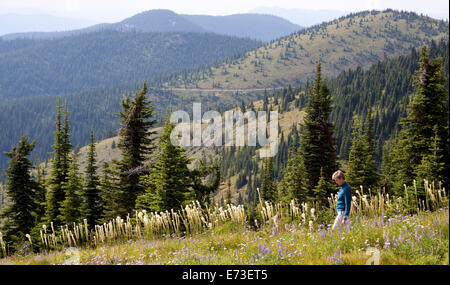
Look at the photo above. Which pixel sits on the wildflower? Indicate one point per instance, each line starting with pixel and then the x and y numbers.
pixel 323 234
pixel 28 237
pixel 336 258
pixel 280 249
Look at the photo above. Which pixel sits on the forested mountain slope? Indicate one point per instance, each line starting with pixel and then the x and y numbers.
pixel 385 88
pixel 104 58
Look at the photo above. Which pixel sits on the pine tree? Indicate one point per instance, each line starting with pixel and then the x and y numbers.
pixel 250 191
pixel 387 168
pixel 70 207
pixel 371 176
pixel 2 197
pixel 242 106
pixel 167 184
pixel 361 161
pixel 109 189
pixel 228 194
pixel 317 147
pixel 18 216
pixel 431 166
pixel 427 120
pixel 268 188
pixel 323 188
pixel 59 169
pixel 136 144
pixel 240 200
pixel 356 158
pixel 66 145
pixel 202 191
pixel 292 185
pixel 92 204
pixel 40 195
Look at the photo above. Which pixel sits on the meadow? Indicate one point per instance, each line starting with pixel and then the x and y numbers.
pixel 268 234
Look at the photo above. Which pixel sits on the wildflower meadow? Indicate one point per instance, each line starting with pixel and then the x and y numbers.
pixel 268 234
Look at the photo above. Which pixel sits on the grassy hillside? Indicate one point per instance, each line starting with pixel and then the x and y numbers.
pixel 34 117
pixel 355 40
pixel 107 149
pixel 282 236
pixel 388 96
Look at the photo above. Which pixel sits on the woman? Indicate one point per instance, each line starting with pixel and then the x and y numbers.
pixel 344 199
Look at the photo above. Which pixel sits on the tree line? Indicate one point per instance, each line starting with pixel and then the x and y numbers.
pixel 158 181
pixel 418 151
pixel 150 175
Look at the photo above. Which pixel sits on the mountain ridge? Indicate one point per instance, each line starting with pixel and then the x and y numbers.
pixel 358 39
pixel 259 27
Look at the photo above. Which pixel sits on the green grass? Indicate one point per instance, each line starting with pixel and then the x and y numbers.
pixel 358 40
pixel 401 239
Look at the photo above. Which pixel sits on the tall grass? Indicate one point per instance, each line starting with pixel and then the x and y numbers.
pixel 192 218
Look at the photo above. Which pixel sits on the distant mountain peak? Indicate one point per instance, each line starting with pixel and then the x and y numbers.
pixel 161 20
pixel 255 26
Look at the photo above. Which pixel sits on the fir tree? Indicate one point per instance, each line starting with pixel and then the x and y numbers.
pixel 66 145
pixel 228 194
pixel 2 197
pixel 18 216
pixel 242 106
pixel 167 184
pixel 361 161
pixel 59 169
pixel 92 205
pixel 240 200
pixel 136 144
pixel 323 188
pixel 432 166
pixel 356 158
pixel 109 190
pixel 202 191
pixel 268 189
pixel 426 121
pixel 292 185
pixel 317 147
pixel 40 195
pixel 371 176
pixel 70 207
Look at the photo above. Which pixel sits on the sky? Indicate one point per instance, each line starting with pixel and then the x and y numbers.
pixel 115 10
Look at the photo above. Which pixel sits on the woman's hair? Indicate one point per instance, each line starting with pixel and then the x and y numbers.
pixel 338 174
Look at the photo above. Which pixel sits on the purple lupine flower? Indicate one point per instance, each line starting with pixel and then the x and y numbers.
pixel 336 258
pixel 401 238
pixel 416 234
pixel 280 249
pixel 262 251
pixel 387 242
pixel 323 234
